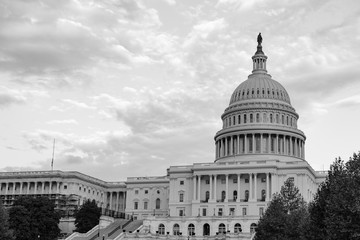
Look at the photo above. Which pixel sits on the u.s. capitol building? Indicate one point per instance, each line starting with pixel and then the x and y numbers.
pixel 257 149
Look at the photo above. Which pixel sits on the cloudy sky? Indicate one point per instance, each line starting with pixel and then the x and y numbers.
pixel 128 88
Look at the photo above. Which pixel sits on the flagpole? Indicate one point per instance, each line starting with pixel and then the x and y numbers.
pixel 52 160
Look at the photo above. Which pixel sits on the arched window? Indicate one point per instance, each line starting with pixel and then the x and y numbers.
pixel 237 228
pixel 239 119
pixel 263 195
pixel 222 228
pixel 223 193
pixel 191 229
pixel 206 229
pixel 161 229
pixel 229 121
pixel 246 195
pixel 245 118
pixel 176 229
pixel 257 117
pixel 251 118
pixel 207 195
pixel 235 195
pixel 234 120
pixel 271 118
pixel 287 120
pixel 277 118
pixel 264 117
pixel 253 227
pixel 157 203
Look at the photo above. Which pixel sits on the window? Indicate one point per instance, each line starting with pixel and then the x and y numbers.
pixel 220 211
pixel 229 121
pixel 181 197
pixel 271 118
pixel 233 120
pixel 157 203
pixel 291 179
pixel 244 211
pixel 251 117
pixel 223 195
pixel 245 118
pixel 207 195
pixel 253 227
pixel 232 211
pixel 136 205
pixel 145 205
pixel 136 191
pixel 261 211
pixel 235 180
pixel 204 211
pixel 158 191
pixel 223 181
pixel 181 182
pixel 246 195
pixel 263 195
pixel 191 229
pixel 161 229
pixel 264 117
pixel 207 181
pixel 246 180
pixel 257 117
pixel 235 195
pixel 239 119
pixel 237 228
pixel 176 229
pixel 65 187
pixel 263 179
pixel 222 228
pixel 181 212
pixel 79 188
pixel 146 191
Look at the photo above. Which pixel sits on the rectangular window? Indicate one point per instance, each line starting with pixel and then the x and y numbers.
pixel 181 212
pixel 244 211
pixel 136 205
pixel 207 181
pixel 263 179
pixel 136 191
pixel 146 191
pixel 235 180
pixel 181 182
pixel 145 205
pixel 220 212
pixel 204 211
pixel 232 211
pixel 181 197
pixel 261 211
pixel 223 181
pixel 65 187
pixel 246 180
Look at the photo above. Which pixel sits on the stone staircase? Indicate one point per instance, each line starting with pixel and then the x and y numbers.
pixel 109 232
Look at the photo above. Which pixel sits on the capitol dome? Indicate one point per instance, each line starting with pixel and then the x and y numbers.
pixel 260 120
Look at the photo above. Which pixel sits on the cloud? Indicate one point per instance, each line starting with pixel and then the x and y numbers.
pixel 67 121
pixel 10 96
pixel 54 44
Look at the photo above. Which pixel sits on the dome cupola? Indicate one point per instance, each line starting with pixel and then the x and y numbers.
pixel 260 119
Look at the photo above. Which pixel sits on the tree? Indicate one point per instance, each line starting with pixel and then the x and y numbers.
pixel 285 216
pixel 335 211
pixel 34 218
pixel 5 233
pixel 87 217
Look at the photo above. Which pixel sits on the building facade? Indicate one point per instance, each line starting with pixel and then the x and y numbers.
pixel 258 148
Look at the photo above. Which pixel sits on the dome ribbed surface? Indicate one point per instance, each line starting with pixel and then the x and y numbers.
pixel 260 86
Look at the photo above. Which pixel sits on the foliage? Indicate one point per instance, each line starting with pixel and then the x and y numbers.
pixel 285 216
pixel 34 218
pixel 5 233
pixel 87 217
pixel 335 211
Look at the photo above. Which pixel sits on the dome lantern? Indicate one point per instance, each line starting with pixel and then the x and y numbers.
pixel 259 59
